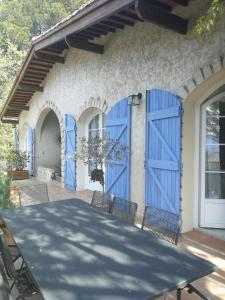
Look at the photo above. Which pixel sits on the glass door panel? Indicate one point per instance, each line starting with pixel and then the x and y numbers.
pixel 213 163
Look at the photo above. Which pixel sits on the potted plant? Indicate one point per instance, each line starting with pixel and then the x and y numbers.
pixel 99 152
pixel 16 164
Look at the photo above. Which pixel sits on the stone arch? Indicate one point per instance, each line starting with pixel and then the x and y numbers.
pixel 92 103
pixel 45 108
pixel 42 113
pixel 201 75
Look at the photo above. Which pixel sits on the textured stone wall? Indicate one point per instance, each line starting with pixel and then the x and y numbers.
pixel 136 59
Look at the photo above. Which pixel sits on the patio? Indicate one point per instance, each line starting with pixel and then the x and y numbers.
pixel 209 248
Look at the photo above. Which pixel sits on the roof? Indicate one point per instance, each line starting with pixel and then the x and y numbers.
pixel 78 30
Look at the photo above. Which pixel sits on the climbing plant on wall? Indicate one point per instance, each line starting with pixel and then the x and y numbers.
pixel 206 22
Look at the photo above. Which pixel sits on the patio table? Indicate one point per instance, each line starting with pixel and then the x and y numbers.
pixel 76 251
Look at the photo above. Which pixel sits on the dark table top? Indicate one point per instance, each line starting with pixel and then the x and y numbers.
pixel 78 252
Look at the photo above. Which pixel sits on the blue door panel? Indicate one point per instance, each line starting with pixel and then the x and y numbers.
pixel 163 151
pixel 117 175
pixel 30 150
pixel 70 148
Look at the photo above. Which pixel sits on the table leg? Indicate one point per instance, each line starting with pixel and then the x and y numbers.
pixel 178 294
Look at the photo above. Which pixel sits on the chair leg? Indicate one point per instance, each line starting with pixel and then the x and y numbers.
pixel 192 289
pixel 178 294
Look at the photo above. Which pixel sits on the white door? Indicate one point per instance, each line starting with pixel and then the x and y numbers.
pixel 94 127
pixel 212 210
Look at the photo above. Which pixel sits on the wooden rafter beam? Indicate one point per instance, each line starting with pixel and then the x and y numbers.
pixel 27 76
pixel 154 14
pixel 28 93
pixel 18 107
pixel 9 121
pixel 104 27
pixel 84 36
pixel 31 71
pixel 112 24
pixel 180 2
pixel 49 58
pixel 84 45
pixel 30 87
pixel 121 20
pixel 93 30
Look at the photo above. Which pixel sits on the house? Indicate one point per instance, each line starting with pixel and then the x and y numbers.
pixel 76 80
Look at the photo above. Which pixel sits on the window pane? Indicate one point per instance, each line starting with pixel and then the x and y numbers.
pixel 215 130
pixel 215 158
pixel 94 123
pixel 215 186
pixel 216 108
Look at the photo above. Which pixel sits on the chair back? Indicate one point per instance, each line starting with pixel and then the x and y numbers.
pixel 6 257
pixel 162 224
pixel 102 200
pixel 4 285
pixel 33 194
pixel 124 209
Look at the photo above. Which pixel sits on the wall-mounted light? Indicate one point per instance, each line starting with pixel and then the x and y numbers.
pixel 134 100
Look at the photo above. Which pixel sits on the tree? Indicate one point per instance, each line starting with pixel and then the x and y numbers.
pixel 206 22
pixel 99 152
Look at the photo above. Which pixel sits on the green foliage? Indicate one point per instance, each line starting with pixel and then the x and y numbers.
pixel 5 183
pixel 5 141
pixel 97 152
pixel 208 21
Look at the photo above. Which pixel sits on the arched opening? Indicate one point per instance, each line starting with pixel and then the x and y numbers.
pixel 48 146
pixel 90 123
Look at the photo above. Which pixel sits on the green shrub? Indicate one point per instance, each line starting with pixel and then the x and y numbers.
pixel 5 183
pixel 17 160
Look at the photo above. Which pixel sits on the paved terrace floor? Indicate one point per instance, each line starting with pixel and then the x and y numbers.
pixel 209 248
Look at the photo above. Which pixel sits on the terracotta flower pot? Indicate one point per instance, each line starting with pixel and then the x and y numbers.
pixel 18 175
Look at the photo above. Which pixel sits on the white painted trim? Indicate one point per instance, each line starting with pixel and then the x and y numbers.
pixel 197 110
pixel 202 200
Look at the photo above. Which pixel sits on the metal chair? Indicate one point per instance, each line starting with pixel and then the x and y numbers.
pixel 162 224
pixel 4 285
pixel 124 209
pixel 102 200
pixel 33 194
pixel 166 225
pixel 21 278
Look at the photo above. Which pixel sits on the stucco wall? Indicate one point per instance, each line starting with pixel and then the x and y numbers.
pixel 136 59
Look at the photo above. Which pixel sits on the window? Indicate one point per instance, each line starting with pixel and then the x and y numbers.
pixel 95 128
pixel 215 150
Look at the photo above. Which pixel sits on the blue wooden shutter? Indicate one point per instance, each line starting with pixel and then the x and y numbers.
pixel 163 151
pixel 30 150
pixel 70 147
pixel 15 139
pixel 117 175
